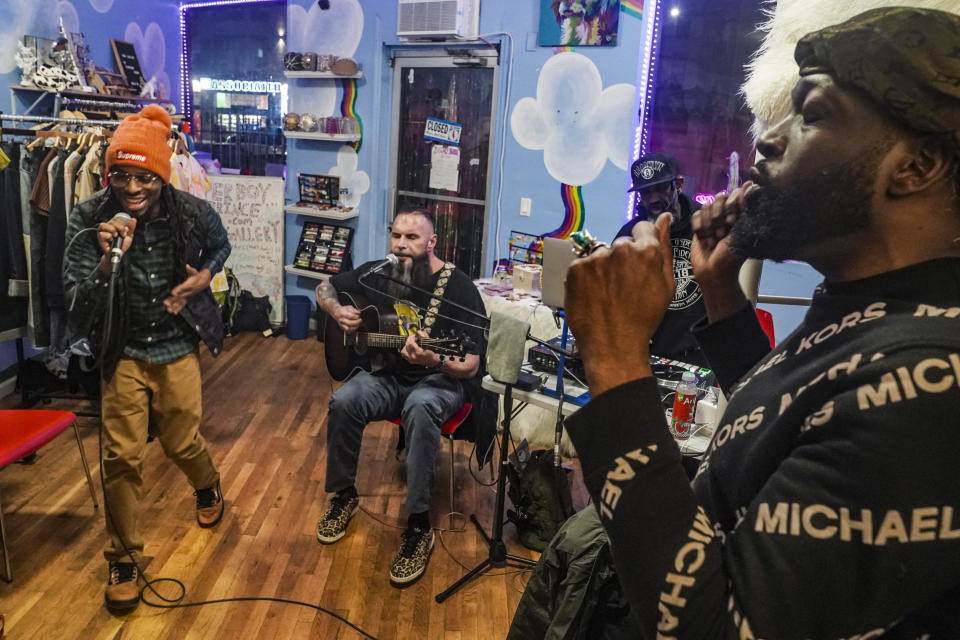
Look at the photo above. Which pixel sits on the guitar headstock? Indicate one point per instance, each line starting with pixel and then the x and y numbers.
pixel 451 343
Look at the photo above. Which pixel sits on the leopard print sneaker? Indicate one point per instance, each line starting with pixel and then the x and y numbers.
pixel 333 524
pixel 413 556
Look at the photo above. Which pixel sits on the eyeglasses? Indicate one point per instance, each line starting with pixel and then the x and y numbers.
pixel 122 178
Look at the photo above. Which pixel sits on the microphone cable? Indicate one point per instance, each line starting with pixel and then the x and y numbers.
pixel 177 601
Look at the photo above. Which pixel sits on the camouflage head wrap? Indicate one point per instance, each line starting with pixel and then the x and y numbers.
pixel 906 59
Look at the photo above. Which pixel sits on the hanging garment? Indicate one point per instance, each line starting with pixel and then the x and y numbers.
pixel 90 178
pixel 30 160
pixel 13 264
pixel 187 174
pixel 40 207
pixel 70 169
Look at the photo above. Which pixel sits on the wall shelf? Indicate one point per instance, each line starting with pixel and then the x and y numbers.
pixel 327 214
pixel 315 135
pixel 306 273
pixel 319 74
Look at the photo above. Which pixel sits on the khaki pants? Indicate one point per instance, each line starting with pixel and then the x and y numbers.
pixel 168 397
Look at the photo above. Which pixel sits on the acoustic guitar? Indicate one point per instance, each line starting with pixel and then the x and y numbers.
pixel 378 341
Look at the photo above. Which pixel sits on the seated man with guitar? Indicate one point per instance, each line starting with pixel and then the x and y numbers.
pixel 421 383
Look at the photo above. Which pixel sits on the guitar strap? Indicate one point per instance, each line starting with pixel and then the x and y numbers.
pixel 431 315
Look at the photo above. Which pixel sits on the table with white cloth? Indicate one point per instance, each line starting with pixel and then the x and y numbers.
pixel 534 423
pixel 538 418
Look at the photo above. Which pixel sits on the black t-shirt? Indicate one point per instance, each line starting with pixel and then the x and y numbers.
pixel 450 321
pixel 673 339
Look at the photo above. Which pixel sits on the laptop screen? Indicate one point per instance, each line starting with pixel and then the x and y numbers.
pixel 557 256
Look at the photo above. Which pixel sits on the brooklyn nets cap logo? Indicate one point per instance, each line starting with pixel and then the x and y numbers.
pixel 649 169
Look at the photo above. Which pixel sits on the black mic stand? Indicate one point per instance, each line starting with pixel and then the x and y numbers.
pixel 498 556
pixel 475 314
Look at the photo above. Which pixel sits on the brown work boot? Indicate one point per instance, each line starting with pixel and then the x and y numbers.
pixel 209 506
pixel 122 591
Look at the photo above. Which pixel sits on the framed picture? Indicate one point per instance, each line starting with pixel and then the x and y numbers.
pixel 575 23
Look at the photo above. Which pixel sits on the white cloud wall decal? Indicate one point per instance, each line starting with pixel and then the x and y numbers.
pixel 356 182
pixel 335 31
pixel 577 123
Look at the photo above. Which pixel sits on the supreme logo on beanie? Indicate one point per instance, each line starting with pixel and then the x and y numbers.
pixel 141 141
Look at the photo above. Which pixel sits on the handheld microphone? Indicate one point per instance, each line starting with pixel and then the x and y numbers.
pixel 391 260
pixel 115 248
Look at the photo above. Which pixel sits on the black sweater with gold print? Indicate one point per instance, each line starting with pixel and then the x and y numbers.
pixel 828 504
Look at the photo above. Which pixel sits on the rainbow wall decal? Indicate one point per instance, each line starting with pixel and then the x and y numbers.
pixel 573 212
pixel 632 8
pixel 348 107
pixel 562 49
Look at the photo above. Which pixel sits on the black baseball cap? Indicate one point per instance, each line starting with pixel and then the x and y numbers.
pixel 653 168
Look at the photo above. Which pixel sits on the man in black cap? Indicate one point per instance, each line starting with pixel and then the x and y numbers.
pixel 656 177
pixel 828 502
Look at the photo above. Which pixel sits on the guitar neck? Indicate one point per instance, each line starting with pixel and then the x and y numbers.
pixel 389 340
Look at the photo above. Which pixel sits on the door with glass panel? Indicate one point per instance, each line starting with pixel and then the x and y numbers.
pixel 443 107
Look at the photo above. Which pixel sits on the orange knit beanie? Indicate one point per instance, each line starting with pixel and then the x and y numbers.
pixel 141 141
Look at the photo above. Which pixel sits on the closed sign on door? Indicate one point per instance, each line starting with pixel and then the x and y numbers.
pixel 442 131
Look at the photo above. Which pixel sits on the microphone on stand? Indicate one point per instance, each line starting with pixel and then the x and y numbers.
pixel 390 260
pixel 115 249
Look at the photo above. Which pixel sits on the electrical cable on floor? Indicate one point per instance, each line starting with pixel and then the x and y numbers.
pixel 176 602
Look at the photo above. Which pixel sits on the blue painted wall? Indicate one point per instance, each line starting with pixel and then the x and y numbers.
pixel 366 32
pixel 525 170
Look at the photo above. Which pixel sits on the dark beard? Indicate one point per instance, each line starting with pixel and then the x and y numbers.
pixel 416 273
pixel 778 223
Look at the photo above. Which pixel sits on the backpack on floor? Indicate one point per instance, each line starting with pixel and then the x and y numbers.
pixel 229 300
pixel 540 494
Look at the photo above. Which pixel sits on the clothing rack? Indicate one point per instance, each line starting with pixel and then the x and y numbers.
pixel 80 121
pixel 58 120
pixel 17 132
pixel 112 106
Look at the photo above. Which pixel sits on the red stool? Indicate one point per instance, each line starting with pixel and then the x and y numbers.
pixel 22 432
pixel 447 429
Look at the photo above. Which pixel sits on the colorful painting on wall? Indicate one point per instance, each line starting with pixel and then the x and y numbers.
pixel 579 22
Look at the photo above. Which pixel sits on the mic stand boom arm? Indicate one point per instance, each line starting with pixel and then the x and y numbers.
pixel 473 313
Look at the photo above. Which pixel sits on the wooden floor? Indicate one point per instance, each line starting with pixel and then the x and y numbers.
pixel 265 420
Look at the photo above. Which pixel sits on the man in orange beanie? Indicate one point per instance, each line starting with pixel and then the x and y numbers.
pixel 144 316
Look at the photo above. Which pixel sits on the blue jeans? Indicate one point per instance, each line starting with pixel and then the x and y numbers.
pixel 423 405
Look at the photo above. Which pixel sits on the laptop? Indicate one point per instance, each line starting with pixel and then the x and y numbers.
pixel 557 256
